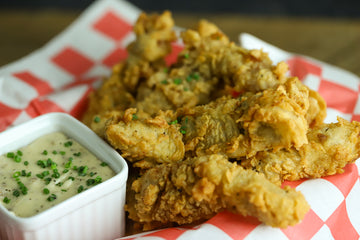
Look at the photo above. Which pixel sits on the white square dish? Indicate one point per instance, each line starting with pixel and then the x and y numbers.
pixel 97 213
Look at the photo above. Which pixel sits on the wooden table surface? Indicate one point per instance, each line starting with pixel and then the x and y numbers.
pixel 335 41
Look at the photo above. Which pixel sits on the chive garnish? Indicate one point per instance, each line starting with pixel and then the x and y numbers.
pixel 80 188
pixel 51 198
pixel 177 81
pixel 97 119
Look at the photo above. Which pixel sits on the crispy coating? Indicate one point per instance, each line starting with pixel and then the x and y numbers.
pixel 153 140
pixel 269 120
pixel 197 188
pixel 330 148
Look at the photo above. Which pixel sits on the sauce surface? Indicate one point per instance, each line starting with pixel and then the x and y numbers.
pixel 48 171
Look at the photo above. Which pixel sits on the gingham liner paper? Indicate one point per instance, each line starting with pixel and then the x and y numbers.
pixel 59 76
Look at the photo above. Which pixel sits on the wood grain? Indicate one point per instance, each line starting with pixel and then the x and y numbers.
pixel 335 41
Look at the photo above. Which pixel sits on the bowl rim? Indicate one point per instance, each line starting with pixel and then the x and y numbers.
pixel 27 132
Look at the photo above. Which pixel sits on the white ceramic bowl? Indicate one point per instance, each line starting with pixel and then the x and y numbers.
pixel 97 213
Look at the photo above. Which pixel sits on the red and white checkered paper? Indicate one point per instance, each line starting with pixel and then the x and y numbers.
pixel 59 76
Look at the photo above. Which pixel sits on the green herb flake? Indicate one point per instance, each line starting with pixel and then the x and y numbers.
pixel 68 144
pixel 17 158
pixel 46 191
pixel 103 164
pixel 26 163
pixel 186 55
pixel 54 152
pixel 173 122
pixel 78 154
pixel 82 170
pixel 80 188
pixel 16 174
pixel 10 155
pixel 16 193
pixel 51 198
pixel 166 70
pixel 44 152
pixel 47 181
pixel 62 153
pixel 6 200
pixel 135 117
pixel 164 82
pixel 19 153
pixel 177 81
pixel 98 180
pixel 97 119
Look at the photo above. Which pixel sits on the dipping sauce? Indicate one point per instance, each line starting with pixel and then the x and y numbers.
pixel 48 171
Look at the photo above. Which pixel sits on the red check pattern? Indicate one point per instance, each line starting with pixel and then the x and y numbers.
pixel 111 22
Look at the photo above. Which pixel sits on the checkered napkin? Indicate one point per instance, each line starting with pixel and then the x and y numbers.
pixel 59 76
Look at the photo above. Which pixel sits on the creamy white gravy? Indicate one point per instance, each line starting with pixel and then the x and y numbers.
pixel 48 171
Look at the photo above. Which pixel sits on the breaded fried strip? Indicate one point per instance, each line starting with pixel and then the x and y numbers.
pixel 152 139
pixel 269 120
pixel 197 188
pixel 330 148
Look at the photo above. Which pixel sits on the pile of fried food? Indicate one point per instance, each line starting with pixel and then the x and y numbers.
pixel 220 129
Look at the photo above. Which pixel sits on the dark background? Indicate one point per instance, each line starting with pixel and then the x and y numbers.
pixel 308 8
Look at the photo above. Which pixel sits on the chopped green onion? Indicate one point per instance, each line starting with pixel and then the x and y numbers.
pixel 71 178
pixel 19 153
pixel 16 174
pixel 78 154
pixel 164 82
pixel 46 191
pixel 54 152
pixel 98 179
pixel 26 163
pixel 103 164
pixel 97 119
pixel 45 152
pixel 6 200
pixel 59 184
pixel 186 55
pixel 135 117
pixel 47 181
pixel 51 198
pixel 68 164
pixel 82 170
pixel 62 153
pixel 56 173
pixel 80 188
pixel 166 70
pixel 90 182
pixel 17 158
pixel 10 155
pixel 65 170
pixel 173 122
pixel 16 193
pixel 68 144
pixel 177 81
pixel 41 163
